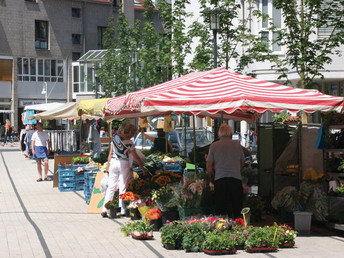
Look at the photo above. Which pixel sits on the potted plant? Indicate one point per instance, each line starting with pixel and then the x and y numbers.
pixel 165 199
pixel 285 236
pixel 340 189
pixel 240 233
pixel 113 207
pixel 130 199
pixel 257 206
pixel 172 235
pixel 141 230
pixel 262 239
pixel 154 216
pixel 216 243
pixel 194 237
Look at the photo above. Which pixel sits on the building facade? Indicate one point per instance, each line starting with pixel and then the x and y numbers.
pixel 38 41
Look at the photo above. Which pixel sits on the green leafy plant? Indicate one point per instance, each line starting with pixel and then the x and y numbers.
pixel 194 237
pixel 80 160
pixel 285 235
pixel 262 237
pixel 340 189
pixel 164 197
pixel 218 241
pixel 285 117
pixel 173 233
pixel 341 166
pixel 141 226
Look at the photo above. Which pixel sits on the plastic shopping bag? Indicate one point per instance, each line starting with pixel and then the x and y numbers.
pixel 104 183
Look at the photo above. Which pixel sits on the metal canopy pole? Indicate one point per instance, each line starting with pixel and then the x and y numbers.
pixel 186 151
pixel 194 140
pixel 80 134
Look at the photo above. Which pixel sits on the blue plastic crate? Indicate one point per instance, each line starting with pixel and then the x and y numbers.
pixel 67 184
pixel 66 179
pixel 79 166
pixel 70 167
pixel 173 166
pixel 67 189
pixel 66 172
pixel 79 188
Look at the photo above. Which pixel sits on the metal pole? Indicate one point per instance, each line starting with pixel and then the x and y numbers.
pixel 134 76
pixel 80 134
pixel 194 141
pixel 215 48
pixel 186 151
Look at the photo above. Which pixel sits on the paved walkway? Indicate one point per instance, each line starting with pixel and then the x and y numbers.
pixel 37 220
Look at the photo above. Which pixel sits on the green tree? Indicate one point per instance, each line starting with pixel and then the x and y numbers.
pixel 234 33
pixel 114 73
pixel 306 52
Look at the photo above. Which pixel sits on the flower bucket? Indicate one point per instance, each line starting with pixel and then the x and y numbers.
pixel 114 211
pixel 156 223
pixel 170 215
pixel 303 220
pixel 135 214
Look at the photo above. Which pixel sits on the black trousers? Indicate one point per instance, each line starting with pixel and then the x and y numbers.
pixel 228 197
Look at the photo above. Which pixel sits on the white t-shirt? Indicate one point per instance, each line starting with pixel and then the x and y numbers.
pixel 40 138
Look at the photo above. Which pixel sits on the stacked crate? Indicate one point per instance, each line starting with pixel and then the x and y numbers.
pixel 69 178
pixel 89 179
pixel 174 166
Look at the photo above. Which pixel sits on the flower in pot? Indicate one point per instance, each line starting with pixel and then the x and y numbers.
pixel 240 235
pixel 257 206
pixel 141 230
pixel 262 239
pixel 218 243
pixel 113 207
pixel 194 237
pixel 172 235
pixel 286 236
pixel 154 216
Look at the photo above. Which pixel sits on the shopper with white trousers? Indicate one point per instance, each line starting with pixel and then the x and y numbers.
pixel 119 169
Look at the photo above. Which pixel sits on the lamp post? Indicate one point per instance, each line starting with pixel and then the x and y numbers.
pixel 215 26
pixel 134 60
pixel 96 81
pixel 45 91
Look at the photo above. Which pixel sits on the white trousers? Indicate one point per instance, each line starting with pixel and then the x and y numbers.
pixel 119 176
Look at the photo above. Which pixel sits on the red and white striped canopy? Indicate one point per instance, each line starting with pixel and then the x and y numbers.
pixel 221 91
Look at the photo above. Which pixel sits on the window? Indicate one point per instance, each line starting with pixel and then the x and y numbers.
pixel 41 34
pixel 101 32
pixel 31 69
pixel 76 39
pixel 76 56
pixel 84 78
pixel 274 15
pixel 76 12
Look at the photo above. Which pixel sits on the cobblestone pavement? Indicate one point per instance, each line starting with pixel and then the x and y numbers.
pixel 36 220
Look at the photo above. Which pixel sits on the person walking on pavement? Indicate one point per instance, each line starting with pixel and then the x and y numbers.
pixel 8 132
pixel 40 152
pixel 224 162
pixel 119 168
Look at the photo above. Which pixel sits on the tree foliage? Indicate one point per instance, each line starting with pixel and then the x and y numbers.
pixel 306 51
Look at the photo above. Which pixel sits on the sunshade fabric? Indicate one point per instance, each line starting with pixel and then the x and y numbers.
pixel 92 106
pixel 44 106
pixel 224 91
pixel 67 112
pixel 217 91
pixel 129 106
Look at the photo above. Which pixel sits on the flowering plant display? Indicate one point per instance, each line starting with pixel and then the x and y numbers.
pixel 172 234
pixel 164 178
pixel 332 118
pixel 215 241
pixel 262 237
pixel 285 235
pixel 164 197
pixel 285 117
pixel 111 204
pixel 340 189
pixel 128 197
pixel 153 214
pixel 189 195
pixel 194 237
pixel 240 235
pixel 140 187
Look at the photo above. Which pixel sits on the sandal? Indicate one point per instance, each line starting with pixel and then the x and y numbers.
pixel 47 179
pixel 39 180
pixel 104 214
